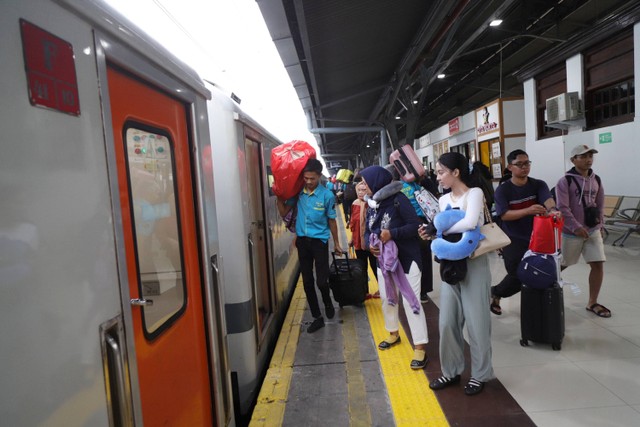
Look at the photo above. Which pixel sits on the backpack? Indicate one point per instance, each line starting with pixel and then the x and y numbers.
pixel 570 178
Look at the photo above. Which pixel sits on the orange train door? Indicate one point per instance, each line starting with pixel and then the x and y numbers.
pixel 159 225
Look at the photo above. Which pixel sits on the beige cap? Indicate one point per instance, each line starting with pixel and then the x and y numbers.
pixel 582 149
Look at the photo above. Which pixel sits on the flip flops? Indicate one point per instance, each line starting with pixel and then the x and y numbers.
pixel 599 310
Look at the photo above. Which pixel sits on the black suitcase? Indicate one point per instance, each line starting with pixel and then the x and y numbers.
pixel 542 311
pixel 348 281
pixel 542 316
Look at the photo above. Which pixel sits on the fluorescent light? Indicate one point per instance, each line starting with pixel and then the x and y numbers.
pixel 398 117
pixel 495 22
pixel 441 76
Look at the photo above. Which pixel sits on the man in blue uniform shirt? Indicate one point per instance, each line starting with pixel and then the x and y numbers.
pixel 315 223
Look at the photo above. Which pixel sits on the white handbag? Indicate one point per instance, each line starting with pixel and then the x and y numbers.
pixel 494 237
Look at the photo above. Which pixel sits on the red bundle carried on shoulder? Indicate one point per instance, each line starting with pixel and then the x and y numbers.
pixel 546 228
pixel 287 162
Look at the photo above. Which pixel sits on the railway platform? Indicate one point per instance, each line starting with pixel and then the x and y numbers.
pixel 337 376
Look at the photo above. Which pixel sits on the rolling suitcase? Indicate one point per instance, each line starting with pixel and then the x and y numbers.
pixel 347 280
pixel 542 316
pixel 407 163
pixel 542 310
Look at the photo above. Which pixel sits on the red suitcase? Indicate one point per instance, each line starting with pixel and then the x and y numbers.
pixel 407 163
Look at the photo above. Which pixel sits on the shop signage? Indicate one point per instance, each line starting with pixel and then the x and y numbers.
pixel 488 119
pixel 454 126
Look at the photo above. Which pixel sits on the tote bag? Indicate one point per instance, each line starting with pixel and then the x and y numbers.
pixel 546 229
pixel 494 237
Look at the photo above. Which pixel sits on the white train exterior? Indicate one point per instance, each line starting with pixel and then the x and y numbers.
pixel 143 268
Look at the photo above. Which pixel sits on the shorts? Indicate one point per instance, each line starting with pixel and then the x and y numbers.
pixel 592 249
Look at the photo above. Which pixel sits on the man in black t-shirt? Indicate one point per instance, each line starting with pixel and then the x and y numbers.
pixel 517 201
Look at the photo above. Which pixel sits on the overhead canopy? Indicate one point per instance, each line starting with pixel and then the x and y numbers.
pixel 369 64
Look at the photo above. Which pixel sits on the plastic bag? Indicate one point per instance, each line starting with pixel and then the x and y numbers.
pixel 287 162
pixel 545 230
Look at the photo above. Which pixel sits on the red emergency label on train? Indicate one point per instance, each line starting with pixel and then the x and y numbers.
pixel 50 67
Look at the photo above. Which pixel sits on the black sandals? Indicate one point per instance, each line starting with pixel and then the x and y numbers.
pixel 443 382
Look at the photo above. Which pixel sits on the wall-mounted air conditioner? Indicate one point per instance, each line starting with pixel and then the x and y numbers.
pixel 564 107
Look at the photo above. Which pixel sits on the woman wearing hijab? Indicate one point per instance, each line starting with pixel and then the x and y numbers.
pixel 464 302
pixel 391 232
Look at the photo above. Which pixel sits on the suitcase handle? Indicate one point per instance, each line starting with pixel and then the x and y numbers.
pixel 346 257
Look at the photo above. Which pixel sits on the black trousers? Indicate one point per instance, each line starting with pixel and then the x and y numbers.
pixel 364 256
pixel 426 283
pixel 512 255
pixel 314 252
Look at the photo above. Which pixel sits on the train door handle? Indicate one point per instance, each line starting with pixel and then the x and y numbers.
pixel 141 302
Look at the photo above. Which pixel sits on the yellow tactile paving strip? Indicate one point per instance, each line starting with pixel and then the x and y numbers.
pixel 412 401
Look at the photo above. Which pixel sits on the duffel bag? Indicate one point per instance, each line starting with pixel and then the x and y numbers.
pixel 538 271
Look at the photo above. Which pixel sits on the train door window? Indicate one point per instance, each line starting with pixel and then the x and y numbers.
pixel 270 181
pixel 150 171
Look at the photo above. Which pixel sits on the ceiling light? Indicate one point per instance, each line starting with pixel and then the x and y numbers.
pixel 441 76
pixel 367 145
pixel 398 117
pixel 415 101
pixel 495 22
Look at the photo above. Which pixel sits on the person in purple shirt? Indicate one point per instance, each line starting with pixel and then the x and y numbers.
pixel 580 197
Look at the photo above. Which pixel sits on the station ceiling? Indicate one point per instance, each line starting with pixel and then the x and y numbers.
pixel 374 63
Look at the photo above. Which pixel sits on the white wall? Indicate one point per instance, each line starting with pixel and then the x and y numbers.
pixel 513 117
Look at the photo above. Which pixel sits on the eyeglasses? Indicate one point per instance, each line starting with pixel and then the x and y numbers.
pixel 521 165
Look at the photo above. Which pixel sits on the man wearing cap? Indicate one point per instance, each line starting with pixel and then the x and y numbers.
pixel 580 198
pixel 315 223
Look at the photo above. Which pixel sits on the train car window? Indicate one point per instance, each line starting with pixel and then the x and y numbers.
pixel 155 218
pixel 270 181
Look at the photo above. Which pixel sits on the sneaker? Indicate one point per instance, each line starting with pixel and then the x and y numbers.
pixel 473 387
pixel 442 382
pixel 330 311
pixel 424 298
pixel 315 325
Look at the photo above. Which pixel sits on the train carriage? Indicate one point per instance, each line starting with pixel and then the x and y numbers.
pixel 128 296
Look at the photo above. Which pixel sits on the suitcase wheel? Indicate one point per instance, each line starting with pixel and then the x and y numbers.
pixel 556 346
pixel 524 343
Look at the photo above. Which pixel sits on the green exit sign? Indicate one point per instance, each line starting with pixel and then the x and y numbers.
pixel 605 138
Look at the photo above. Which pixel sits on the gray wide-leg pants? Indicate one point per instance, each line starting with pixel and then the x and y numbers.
pixel 467 302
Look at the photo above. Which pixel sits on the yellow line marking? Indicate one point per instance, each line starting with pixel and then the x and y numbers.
pixel 269 409
pixel 359 413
